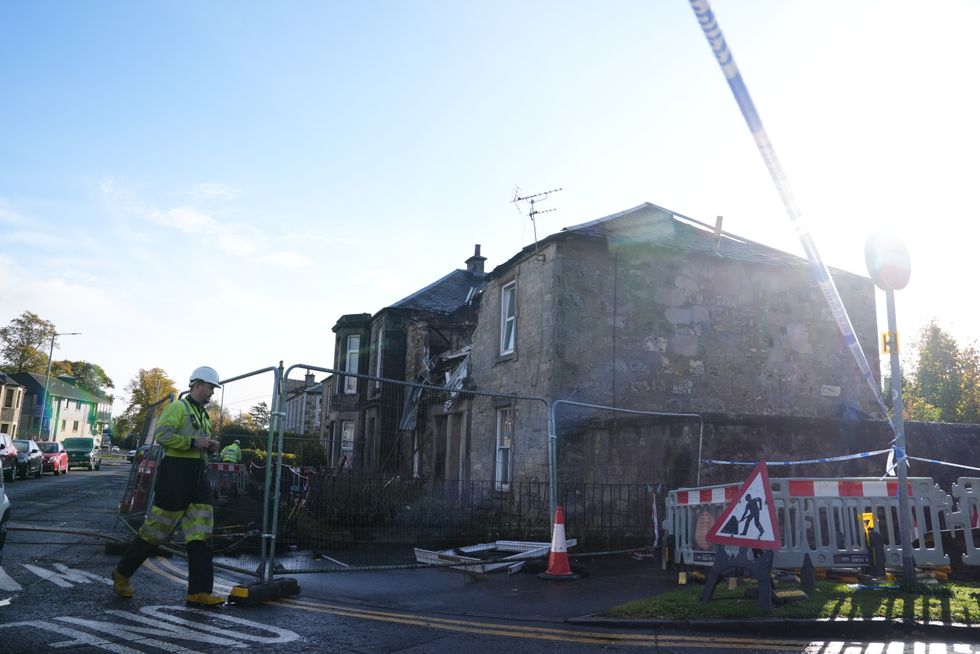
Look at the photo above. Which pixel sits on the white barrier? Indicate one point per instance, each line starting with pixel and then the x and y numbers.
pixel 819 517
pixel 966 492
pixel 226 476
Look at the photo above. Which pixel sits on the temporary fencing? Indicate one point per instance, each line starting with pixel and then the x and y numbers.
pixel 330 497
pixel 966 492
pixel 823 518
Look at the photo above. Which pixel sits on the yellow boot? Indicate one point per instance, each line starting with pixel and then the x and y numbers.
pixel 120 585
pixel 205 600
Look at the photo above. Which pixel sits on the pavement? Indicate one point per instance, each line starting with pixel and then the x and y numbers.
pixel 611 580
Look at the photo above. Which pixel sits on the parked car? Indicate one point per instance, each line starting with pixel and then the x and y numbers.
pixel 30 461
pixel 55 457
pixel 4 516
pixel 83 452
pixel 8 456
pixel 138 453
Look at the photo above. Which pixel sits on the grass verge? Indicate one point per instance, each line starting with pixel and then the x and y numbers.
pixel 952 602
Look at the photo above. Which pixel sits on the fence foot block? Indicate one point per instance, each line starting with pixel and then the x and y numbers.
pixel 255 594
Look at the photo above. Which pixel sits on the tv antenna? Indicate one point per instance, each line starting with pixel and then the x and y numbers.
pixel 532 212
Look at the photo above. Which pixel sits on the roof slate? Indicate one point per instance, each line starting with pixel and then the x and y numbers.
pixel 444 295
pixel 650 223
pixel 34 383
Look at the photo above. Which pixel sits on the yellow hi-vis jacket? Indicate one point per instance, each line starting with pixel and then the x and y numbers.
pixel 231 454
pixel 179 424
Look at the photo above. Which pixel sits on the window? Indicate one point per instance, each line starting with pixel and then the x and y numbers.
pixel 353 347
pixel 64 424
pixel 416 455
pixel 379 339
pixel 347 436
pixel 508 317
pixel 78 405
pixel 505 434
pixel 8 400
pixel 75 427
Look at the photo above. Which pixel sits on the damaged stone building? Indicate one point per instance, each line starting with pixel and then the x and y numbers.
pixel 645 310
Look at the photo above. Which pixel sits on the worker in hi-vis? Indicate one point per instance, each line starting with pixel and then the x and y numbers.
pixel 232 453
pixel 182 493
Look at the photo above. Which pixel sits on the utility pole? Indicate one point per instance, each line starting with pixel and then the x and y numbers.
pixel 536 197
pixel 47 378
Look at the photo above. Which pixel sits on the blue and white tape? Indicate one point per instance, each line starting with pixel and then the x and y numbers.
pixel 845 457
pixel 716 39
pixel 943 463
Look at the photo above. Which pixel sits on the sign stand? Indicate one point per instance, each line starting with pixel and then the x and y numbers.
pixel 759 568
pixel 751 510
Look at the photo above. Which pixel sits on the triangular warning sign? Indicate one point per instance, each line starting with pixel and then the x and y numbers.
pixel 750 520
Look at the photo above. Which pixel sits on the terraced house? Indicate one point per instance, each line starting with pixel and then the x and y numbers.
pixel 69 410
pixel 11 399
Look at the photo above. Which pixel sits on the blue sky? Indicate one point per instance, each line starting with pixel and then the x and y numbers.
pixel 217 182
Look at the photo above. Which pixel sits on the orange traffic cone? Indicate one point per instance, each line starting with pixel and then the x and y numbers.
pixel 558 567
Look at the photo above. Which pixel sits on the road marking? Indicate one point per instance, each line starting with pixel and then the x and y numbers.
pixel 154 626
pixel 168 569
pixel 7 583
pixel 67 577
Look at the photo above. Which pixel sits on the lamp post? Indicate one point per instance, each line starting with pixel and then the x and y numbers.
pixel 890 267
pixel 47 377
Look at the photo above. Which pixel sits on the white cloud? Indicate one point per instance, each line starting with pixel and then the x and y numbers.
pixel 10 217
pixel 190 220
pixel 287 259
pixel 200 218
pixel 214 191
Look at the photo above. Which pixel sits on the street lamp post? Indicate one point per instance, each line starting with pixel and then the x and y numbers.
pixel 47 378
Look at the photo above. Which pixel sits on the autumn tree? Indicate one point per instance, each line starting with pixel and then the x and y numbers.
pixel 260 417
pixel 943 382
pixel 145 389
pixel 22 343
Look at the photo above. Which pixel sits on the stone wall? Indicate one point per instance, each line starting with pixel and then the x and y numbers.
pixel 655 328
pixel 638 451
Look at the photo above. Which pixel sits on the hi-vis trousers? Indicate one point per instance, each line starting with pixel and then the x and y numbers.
pixel 182 494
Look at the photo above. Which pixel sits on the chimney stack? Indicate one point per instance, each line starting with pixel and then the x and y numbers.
pixel 475 263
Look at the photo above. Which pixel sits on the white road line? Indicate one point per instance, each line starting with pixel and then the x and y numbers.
pixel 8 584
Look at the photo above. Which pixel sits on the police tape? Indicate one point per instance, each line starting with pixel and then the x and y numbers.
pixel 943 463
pixel 845 457
pixel 723 55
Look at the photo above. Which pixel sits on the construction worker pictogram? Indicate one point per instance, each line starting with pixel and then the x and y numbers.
pixel 750 519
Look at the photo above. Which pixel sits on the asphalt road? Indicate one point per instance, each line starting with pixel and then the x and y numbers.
pixel 55 595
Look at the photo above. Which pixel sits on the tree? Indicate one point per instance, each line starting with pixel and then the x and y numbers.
pixel 944 379
pixel 23 341
pixel 146 388
pixel 260 417
pixel 89 376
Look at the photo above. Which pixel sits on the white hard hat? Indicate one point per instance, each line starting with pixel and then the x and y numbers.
pixel 206 374
pixel 237 442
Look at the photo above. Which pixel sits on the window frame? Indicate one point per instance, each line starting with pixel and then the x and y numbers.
pixel 378 352
pixel 350 383
pixel 508 319
pixel 504 447
pixel 343 436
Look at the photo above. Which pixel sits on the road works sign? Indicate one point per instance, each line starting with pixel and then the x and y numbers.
pixel 750 520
